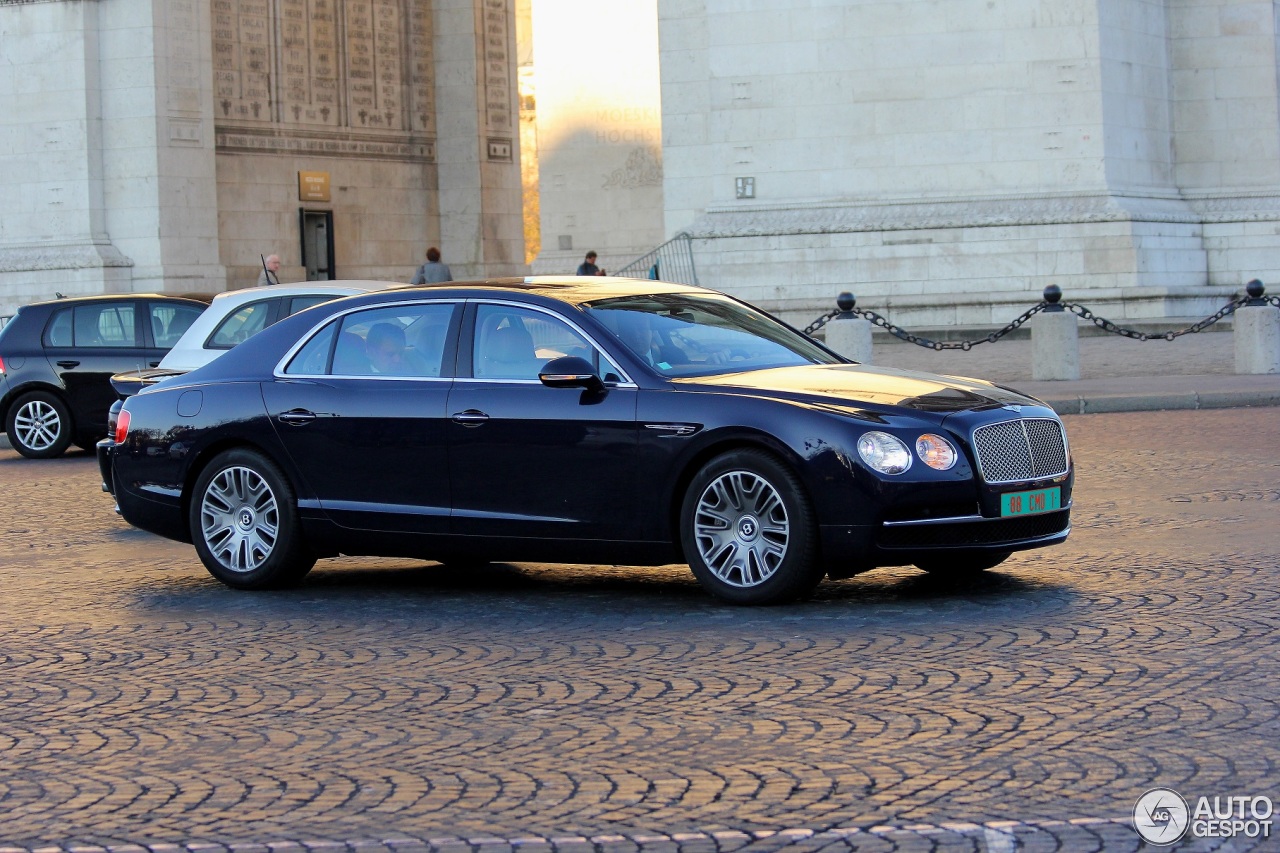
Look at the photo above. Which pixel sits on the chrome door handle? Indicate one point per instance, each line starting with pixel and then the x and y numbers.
pixel 296 417
pixel 470 418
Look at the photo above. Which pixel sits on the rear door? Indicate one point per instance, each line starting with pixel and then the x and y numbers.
pixel 87 343
pixel 367 432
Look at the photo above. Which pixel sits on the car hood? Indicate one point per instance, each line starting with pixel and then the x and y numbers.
pixel 860 384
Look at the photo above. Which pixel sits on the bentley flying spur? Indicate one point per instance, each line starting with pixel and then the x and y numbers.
pixel 583 420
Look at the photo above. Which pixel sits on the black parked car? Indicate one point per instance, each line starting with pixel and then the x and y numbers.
pixel 57 358
pixel 583 420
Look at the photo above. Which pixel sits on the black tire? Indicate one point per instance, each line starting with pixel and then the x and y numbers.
pixel 748 530
pixel 39 425
pixel 244 523
pixel 960 565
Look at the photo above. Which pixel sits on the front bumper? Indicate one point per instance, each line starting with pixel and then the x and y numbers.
pixel 976 531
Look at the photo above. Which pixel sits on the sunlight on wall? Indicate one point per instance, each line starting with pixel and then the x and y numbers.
pixel 599 130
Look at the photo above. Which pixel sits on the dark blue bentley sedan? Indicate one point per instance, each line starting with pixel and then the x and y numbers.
pixel 583 420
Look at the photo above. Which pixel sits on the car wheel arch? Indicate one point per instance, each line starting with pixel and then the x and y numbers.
pixel 718 447
pixel 27 388
pixel 212 451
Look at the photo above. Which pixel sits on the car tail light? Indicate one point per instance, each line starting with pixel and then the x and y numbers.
pixel 1 366
pixel 122 426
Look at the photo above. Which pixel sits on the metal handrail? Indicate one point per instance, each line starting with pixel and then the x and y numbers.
pixel 672 261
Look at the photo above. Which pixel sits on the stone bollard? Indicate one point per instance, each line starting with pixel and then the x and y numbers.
pixel 849 334
pixel 1256 329
pixel 1055 340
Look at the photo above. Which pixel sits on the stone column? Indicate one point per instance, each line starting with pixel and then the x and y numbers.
pixel 158 142
pixel 477 147
pixel 53 218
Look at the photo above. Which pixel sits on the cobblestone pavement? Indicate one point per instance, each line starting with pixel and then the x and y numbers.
pixel 396 705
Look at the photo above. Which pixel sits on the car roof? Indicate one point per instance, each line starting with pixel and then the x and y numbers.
pixel 201 298
pixel 573 289
pixel 306 288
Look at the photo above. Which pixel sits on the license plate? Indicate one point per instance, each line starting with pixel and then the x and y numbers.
pixel 1030 503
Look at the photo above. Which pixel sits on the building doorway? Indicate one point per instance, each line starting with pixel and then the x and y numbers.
pixel 317 244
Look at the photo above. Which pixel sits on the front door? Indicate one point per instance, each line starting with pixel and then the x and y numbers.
pixel 531 461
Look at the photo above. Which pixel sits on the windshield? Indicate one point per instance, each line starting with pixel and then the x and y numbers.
pixel 682 334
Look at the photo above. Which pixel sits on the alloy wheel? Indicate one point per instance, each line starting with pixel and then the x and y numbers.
pixel 239 518
pixel 38 425
pixel 741 528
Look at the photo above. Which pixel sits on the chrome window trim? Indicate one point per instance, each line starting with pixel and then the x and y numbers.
pixel 1022 424
pixel 278 372
pixel 305 339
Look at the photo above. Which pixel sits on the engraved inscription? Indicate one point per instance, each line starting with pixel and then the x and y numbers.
pixel 308 70
pixel 422 108
pixel 319 65
pixel 241 60
pixel 375 64
pixel 496 65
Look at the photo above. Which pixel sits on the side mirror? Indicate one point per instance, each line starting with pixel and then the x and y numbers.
pixel 570 371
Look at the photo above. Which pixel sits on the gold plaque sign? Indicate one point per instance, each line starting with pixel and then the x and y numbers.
pixel 313 186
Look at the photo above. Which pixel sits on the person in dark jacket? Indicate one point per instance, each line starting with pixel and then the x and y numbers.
pixel 588 266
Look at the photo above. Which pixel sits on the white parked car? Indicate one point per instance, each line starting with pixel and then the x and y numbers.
pixel 233 317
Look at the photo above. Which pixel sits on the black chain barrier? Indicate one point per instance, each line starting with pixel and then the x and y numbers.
pixel 1052 302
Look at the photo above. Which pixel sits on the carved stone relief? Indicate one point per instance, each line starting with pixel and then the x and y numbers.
pixel 321 76
pixel 643 169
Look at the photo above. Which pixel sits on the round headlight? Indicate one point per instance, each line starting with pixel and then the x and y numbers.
pixel 883 452
pixel 935 451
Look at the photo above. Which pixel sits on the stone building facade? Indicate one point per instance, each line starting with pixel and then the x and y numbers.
pixel 166 144
pixel 945 161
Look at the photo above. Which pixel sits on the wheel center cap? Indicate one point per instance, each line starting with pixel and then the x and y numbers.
pixel 244 518
pixel 748 527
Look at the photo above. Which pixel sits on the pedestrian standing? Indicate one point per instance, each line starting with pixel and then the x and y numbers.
pixel 588 266
pixel 433 271
pixel 270 271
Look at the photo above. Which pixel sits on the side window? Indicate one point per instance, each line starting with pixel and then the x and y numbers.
pixel 401 340
pixel 59 332
pixel 313 358
pixel 237 328
pixel 104 325
pixel 169 322
pixel 302 303
pixel 514 343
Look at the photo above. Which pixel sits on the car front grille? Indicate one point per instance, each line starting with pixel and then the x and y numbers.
pixel 974 533
pixel 1024 449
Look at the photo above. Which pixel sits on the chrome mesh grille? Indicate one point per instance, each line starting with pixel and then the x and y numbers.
pixel 1025 449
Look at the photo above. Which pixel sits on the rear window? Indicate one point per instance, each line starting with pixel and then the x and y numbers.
pixel 243 324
